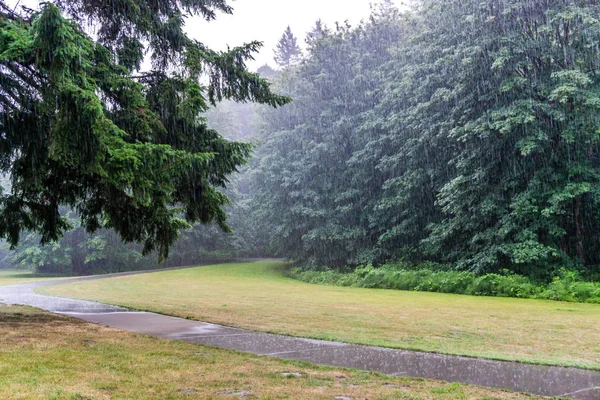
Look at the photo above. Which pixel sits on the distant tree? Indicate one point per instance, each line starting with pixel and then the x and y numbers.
pixel 81 126
pixel 267 72
pixel 317 33
pixel 224 119
pixel 77 252
pixel 383 8
pixel 287 52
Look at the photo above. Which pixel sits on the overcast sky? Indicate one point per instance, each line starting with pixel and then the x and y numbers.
pixel 265 21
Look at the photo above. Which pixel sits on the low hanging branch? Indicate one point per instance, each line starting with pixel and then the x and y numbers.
pixel 80 124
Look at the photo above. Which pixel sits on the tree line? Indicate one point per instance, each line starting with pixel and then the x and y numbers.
pixel 457 132
pixel 460 132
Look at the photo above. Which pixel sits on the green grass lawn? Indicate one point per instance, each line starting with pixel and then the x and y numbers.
pixel 257 296
pixel 48 356
pixel 13 277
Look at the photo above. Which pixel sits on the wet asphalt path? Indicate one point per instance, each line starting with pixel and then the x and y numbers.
pixel 541 380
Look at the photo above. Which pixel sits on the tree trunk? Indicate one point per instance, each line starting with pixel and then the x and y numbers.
pixel 77 254
pixel 564 240
pixel 579 229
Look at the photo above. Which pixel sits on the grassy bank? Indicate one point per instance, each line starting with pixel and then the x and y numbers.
pixel 46 356
pixel 257 296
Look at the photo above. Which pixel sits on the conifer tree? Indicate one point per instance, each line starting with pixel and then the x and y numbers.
pixel 318 32
pixel 82 126
pixel 287 52
pixel 267 72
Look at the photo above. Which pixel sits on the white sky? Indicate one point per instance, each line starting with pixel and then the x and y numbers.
pixel 265 21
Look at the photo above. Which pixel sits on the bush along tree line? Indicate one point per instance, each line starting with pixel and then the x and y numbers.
pixel 566 285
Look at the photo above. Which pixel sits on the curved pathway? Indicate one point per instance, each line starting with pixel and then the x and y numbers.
pixel 574 383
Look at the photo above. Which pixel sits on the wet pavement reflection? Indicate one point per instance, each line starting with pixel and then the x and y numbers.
pixel 541 380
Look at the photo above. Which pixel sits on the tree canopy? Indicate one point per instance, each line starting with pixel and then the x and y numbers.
pixel 461 132
pixel 84 124
pixel 287 52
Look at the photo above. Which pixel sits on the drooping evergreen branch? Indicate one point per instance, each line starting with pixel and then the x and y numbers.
pixel 83 127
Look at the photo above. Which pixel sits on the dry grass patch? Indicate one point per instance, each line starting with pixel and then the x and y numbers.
pixel 257 296
pixel 45 356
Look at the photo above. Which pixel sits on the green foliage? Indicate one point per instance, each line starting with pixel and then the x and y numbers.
pixel 461 132
pixel 83 128
pixel 287 52
pixel 80 253
pixel 310 181
pixel 567 286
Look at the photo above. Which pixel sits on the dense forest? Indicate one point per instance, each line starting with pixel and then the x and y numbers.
pixel 462 132
pixel 458 132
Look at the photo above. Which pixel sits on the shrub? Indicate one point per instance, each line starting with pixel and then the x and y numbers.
pixel 566 286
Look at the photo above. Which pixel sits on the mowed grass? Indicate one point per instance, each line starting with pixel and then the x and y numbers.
pixel 15 276
pixel 257 296
pixel 47 356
